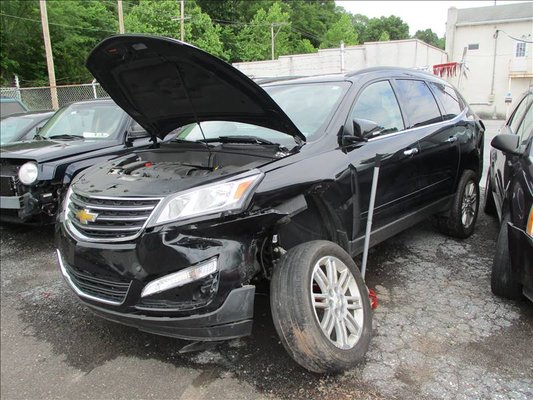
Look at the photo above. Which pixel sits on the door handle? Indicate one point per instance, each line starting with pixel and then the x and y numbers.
pixel 451 139
pixel 410 152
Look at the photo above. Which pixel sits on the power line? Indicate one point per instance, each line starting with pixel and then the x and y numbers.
pixel 56 24
pixel 514 38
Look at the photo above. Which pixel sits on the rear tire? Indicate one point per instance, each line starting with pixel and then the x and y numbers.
pixel 503 282
pixel 318 289
pixel 461 221
pixel 489 206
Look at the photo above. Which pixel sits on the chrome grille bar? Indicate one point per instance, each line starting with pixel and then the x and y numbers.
pixel 114 219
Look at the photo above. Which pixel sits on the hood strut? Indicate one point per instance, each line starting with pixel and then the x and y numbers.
pixel 195 115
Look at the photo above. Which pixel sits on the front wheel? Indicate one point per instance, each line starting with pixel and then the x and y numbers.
pixel 320 307
pixel 463 214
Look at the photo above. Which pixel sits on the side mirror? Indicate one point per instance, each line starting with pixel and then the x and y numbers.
pixel 507 143
pixel 364 128
pixel 137 132
pixel 359 131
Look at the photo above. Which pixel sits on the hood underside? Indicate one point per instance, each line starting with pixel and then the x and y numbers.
pixel 165 84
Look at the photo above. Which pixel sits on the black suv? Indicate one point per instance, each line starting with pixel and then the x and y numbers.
pixel 509 195
pixel 261 183
pixel 34 173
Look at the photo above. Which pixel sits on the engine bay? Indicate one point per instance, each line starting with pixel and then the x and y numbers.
pixel 195 160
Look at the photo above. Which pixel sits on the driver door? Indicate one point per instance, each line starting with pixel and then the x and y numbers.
pixel 397 185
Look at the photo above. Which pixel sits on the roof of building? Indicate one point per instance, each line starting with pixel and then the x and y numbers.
pixel 517 11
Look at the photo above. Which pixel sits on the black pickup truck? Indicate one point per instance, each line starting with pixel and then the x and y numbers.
pixel 34 173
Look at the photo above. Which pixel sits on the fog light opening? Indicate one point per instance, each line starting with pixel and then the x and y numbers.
pixel 181 278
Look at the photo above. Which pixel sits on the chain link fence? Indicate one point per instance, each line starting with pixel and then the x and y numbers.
pixel 40 98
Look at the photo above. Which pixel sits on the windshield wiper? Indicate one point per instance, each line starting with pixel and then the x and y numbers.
pixel 66 137
pixel 238 139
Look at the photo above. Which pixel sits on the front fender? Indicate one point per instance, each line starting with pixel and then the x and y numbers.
pixel 76 167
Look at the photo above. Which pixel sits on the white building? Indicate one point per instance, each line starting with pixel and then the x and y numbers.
pixel 497 45
pixel 410 53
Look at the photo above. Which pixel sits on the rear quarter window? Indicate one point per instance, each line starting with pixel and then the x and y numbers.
pixel 449 99
pixel 418 102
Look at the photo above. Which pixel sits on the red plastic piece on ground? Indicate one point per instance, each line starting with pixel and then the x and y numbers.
pixel 373 299
pixel 148 164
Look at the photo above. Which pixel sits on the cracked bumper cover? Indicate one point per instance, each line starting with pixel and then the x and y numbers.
pixel 231 320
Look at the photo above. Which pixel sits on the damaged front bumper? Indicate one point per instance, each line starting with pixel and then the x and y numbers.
pixel 29 207
pixel 231 320
pixel 110 279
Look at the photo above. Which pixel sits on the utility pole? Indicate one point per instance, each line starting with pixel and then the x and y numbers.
pixel 273 35
pixel 49 56
pixel 182 20
pixel 120 17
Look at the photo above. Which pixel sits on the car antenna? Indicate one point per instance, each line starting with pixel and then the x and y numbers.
pixel 195 115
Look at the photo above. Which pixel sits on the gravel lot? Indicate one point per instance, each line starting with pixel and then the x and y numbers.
pixel 439 333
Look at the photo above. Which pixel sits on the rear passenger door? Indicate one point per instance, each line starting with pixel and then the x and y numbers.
pixel 438 160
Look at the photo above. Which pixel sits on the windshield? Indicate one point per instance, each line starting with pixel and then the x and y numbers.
pixel 14 128
pixel 310 106
pixel 99 121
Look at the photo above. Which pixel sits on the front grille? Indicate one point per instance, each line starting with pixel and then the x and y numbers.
pixel 99 287
pixel 116 219
pixel 8 185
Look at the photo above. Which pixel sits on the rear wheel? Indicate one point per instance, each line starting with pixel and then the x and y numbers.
pixel 461 221
pixel 320 307
pixel 503 282
pixel 489 206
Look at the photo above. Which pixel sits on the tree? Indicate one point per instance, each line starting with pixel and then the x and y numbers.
pixel 359 23
pixel 393 26
pixel 342 30
pixel 22 47
pixel 75 27
pixel 430 37
pixel 162 18
pixel 254 40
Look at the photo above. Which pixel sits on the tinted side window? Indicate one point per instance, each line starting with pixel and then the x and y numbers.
pixel 519 113
pixel 526 127
pixel 378 103
pixel 448 98
pixel 419 104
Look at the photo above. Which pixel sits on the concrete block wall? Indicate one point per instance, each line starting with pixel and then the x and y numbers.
pixel 411 53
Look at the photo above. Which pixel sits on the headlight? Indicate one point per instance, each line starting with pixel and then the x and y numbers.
pixel 229 195
pixel 28 173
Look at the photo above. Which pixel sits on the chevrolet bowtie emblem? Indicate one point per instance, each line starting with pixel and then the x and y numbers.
pixel 85 216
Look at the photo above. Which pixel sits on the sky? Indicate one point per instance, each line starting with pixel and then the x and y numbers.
pixel 419 15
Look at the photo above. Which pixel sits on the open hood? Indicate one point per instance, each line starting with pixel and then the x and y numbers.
pixel 165 84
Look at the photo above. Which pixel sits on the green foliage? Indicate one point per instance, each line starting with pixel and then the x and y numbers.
pixel 430 37
pixel 340 31
pixel 162 17
pixel 304 46
pixel 75 28
pixel 22 49
pixel 393 26
pixel 234 30
pixel 254 40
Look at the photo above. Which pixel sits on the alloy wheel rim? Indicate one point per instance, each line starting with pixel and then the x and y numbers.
pixel 469 205
pixel 337 302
